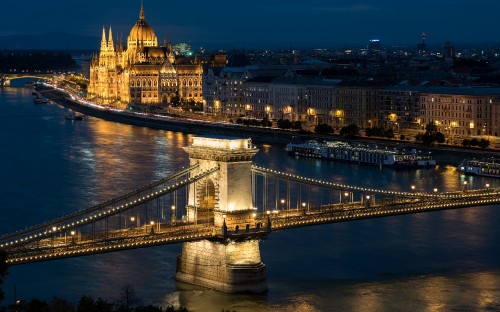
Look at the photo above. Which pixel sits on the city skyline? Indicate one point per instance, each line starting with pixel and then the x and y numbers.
pixel 225 24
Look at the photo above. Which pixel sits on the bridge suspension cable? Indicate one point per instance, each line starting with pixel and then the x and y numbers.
pixel 104 210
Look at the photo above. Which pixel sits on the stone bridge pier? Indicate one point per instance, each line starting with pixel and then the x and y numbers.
pixel 226 264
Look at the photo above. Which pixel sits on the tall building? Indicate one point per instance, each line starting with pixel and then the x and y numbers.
pixel 374 46
pixel 448 51
pixel 422 47
pixel 144 72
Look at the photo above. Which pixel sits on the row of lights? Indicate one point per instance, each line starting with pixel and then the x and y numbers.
pixel 355 216
pixel 114 210
pixel 432 207
pixel 343 186
pixel 108 248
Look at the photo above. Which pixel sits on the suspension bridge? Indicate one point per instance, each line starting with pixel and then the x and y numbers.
pixel 220 207
pixel 5 79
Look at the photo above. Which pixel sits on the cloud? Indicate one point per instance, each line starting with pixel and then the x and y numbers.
pixel 349 8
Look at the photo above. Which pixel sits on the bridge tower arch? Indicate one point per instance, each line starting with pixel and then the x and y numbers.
pixel 225 264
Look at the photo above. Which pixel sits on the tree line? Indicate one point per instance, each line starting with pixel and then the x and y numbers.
pixel 34 61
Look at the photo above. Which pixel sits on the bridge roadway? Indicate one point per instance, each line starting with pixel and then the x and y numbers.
pixel 5 79
pixel 64 246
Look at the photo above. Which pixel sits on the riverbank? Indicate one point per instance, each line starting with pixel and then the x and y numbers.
pixel 443 154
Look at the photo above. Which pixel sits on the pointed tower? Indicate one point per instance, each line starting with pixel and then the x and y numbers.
pixel 104 45
pixel 111 46
pixel 171 55
pixel 120 44
pixel 141 14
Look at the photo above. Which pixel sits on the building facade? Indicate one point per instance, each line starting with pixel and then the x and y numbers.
pixel 462 112
pixel 458 112
pixel 144 72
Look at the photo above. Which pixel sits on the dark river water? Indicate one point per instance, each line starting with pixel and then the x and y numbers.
pixel 437 261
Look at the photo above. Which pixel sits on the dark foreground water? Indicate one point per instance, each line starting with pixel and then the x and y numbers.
pixel 439 261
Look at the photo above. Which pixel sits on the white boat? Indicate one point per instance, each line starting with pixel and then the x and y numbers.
pixel 363 154
pixel 489 167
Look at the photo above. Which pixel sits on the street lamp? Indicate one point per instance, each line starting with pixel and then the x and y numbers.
pixel 132 219
pixel 174 215
pixel 435 190
pixel 282 201
pixel 465 185
pixel 487 185
pixel 413 187
pixel 152 227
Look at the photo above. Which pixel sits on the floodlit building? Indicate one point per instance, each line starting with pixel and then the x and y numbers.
pixel 143 72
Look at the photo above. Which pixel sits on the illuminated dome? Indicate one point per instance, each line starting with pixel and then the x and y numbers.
pixel 142 34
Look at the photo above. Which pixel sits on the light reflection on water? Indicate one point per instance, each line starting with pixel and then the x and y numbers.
pixel 435 261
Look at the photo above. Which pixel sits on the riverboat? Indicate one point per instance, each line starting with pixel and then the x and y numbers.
pixel 489 167
pixel 362 154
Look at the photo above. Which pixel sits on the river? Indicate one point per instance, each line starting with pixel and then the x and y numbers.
pixel 50 166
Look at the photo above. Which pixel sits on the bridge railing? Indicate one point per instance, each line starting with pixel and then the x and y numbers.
pixel 148 204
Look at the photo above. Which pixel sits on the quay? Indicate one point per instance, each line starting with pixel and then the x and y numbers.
pixel 443 155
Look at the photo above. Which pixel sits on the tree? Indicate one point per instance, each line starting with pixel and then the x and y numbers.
pixel 297 125
pixel 60 305
pixel 350 131
pixel 88 304
pixel 323 129
pixel 129 297
pixel 3 270
pixel 389 133
pixel 284 124
pixel 35 305
pixel 149 308
pixel 265 122
pixel 484 143
pixel 431 135
pixel 439 137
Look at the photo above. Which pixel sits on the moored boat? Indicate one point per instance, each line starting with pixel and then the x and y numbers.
pixel 362 154
pixel 489 167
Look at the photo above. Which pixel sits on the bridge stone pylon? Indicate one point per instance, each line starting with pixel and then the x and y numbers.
pixel 226 264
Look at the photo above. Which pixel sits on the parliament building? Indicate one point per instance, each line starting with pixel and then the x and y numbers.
pixel 142 73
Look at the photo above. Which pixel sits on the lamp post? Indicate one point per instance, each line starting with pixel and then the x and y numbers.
pixel 465 186
pixel 282 201
pixel 152 227
pixel 367 203
pixel 54 236
pixel 132 219
pixel 348 197
pixel 224 226
pixel 412 187
pixel 173 218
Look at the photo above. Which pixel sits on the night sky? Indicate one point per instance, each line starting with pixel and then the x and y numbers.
pixel 265 23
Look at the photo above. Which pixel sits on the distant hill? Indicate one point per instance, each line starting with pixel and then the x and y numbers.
pixel 50 41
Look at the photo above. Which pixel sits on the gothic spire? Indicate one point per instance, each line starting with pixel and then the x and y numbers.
pixel 104 45
pixel 110 41
pixel 141 15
